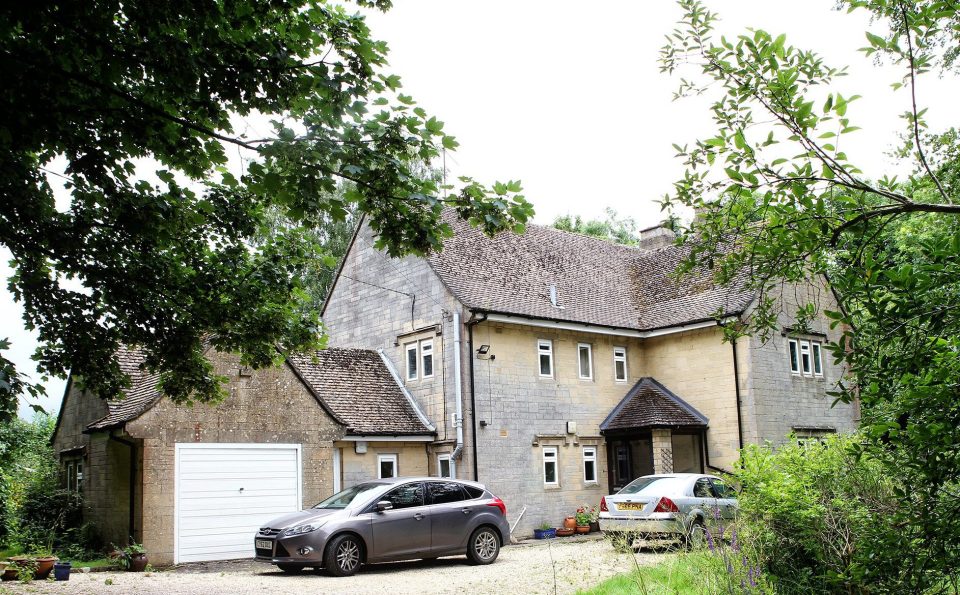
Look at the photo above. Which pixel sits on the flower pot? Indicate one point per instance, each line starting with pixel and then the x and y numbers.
pixel 138 562
pixel 7 573
pixel 544 533
pixel 44 566
pixel 594 526
pixel 569 523
pixel 565 532
pixel 583 528
pixel 61 571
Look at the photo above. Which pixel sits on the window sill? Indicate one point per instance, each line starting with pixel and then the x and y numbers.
pixel 552 486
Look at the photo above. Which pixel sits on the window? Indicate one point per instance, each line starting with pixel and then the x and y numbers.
pixel 411 361
pixel 590 464
pixel 585 359
pixel 426 358
pixel 620 364
pixel 446 467
pixel 386 466
pixel 545 351
pixel 74 471
pixel 444 493
pixel 702 488
pixel 406 496
pixel 722 490
pixel 550 466
pixel 806 357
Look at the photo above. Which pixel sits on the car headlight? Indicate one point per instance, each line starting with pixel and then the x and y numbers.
pixel 301 529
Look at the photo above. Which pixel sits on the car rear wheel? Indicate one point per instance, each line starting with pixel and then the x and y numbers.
pixel 484 546
pixel 343 556
pixel 291 568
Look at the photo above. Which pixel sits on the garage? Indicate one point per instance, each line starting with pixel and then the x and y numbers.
pixel 225 492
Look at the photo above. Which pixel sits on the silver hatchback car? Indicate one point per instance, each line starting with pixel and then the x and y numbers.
pixel 386 520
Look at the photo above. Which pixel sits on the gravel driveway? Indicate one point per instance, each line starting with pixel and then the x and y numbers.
pixel 524 568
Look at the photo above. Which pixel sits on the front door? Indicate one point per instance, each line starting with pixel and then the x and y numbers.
pixel 403 530
pixel 628 459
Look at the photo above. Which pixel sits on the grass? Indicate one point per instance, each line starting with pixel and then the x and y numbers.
pixel 93 563
pixel 678 573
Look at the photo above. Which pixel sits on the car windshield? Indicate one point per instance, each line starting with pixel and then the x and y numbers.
pixel 344 498
pixel 650 486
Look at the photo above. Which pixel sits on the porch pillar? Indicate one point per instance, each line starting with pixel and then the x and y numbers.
pixel 662 451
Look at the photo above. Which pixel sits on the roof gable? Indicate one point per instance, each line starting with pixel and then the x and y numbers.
pixel 649 404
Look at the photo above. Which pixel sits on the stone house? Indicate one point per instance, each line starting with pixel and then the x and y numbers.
pixel 560 366
pixel 195 483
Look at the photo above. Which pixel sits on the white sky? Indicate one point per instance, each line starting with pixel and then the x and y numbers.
pixel 568 98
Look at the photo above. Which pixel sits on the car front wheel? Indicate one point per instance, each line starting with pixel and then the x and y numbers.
pixel 343 556
pixel 484 546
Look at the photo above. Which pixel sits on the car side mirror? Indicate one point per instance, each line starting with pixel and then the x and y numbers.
pixel 384 505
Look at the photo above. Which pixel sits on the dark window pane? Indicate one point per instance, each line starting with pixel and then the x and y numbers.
pixel 794 361
pixel 387 468
pixel 550 472
pixel 589 471
pixel 621 370
pixel 473 492
pixel 406 496
pixel 428 365
pixel 442 493
pixel 411 363
pixel 544 364
pixel 817 364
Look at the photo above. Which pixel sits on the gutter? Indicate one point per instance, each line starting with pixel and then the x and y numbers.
pixel 474 321
pixel 556 324
pixel 133 483
pixel 413 402
pixel 458 392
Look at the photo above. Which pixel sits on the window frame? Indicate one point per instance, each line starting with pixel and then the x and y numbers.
pixel 451 466
pixel 816 357
pixel 407 348
pixel 793 349
pixel 806 368
pixel 541 352
pixel 424 344
pixel 590 456
pixel 589 348
pixel 617 358
pixel 555 461
pixel 393 458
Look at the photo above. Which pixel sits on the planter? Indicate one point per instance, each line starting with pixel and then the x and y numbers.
pixel 7 573
pixel 583 528
pixel 544 533
pixel 138 562
pixel 570 523
pixel 44 567
pixel 565 532
pixel 594 526
pixel 61 571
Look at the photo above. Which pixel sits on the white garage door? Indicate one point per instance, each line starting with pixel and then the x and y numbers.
pixel 225 492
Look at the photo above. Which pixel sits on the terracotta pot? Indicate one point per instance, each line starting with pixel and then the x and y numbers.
pixel 569 522
pixel 138 562
pixel 564 532
pixel 44 566
pixel 583 528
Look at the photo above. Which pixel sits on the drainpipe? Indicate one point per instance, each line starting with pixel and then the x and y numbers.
pixel 133 482
pixel 458 390
pixel 473 392
pixel 736 386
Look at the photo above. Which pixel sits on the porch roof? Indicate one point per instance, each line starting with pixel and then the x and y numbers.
pixel 649 404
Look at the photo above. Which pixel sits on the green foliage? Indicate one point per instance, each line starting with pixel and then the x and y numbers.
pixel 125 221
pixel 613 228
pixel 26 459
pixel 794 208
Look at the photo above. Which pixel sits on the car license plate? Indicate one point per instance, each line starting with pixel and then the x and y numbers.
pixel 263 544
pixel 630 505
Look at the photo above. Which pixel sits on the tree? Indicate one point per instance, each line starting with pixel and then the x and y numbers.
pixel 133 108
pixel 772 182
pixel 613 228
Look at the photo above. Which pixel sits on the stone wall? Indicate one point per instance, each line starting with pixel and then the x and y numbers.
pixel 263 406
pixel 357 468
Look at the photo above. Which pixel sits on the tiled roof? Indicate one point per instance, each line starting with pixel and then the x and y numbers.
pixel 597 282
pixel 357 386
pixel 649 404
pixel 139 397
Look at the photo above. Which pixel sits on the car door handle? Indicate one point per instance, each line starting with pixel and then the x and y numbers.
pixel 418 516
pixel 465 510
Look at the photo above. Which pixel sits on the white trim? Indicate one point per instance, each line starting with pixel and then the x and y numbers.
pixel 556 465
pixel 407 348
pixel 180 446
pixel 805 350
pixel 548 352
pixel 592 458
pixel 336 470
pixel 589 348
pixel 816 357
pixel 413 402
pixel 423 356
pixel 388 457
pixel 618 358
pixel 601 330
pixel 375 438
pixel 452 464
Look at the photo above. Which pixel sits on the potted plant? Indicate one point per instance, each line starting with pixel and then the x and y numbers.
pixel 22 568
pixel 584 517
pixel 545 531
pixel 45 560
pixel 132 558
pixel 570 522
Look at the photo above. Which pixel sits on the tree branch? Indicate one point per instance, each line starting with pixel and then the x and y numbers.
pixel 898 209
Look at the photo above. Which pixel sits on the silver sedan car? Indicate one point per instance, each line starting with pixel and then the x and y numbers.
pixel 675 506
pixel 387 520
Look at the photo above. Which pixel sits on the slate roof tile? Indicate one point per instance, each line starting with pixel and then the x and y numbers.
pixel 649 404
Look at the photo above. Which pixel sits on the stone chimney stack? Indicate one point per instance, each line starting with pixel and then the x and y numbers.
pixel 656 237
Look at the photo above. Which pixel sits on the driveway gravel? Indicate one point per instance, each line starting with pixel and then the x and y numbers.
pixel 523 568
